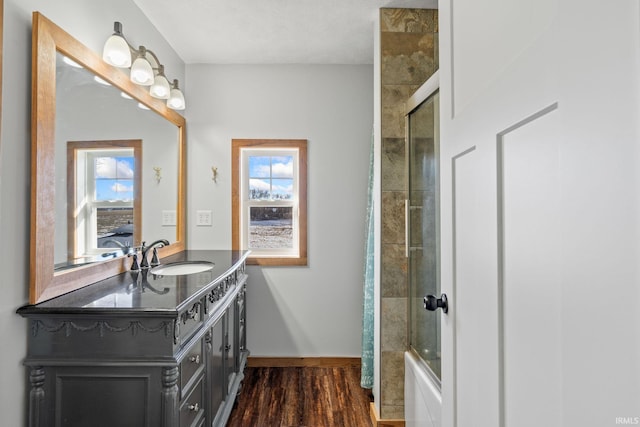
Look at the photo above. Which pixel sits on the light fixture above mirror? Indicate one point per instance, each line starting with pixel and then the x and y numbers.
pixel 146 69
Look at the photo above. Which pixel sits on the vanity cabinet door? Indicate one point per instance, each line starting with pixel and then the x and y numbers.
pixel 241 335
pixel 214 351
pixel 95 396
pixel 231 350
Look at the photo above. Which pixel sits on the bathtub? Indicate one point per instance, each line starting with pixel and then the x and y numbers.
pixel 422 398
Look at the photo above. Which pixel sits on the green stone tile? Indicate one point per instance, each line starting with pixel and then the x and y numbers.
pixel 393 280
pixel 409 20
pixel 393 164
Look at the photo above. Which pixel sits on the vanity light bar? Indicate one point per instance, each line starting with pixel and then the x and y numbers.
pixel 119 52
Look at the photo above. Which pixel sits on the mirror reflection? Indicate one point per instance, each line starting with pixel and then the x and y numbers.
pixel 116 170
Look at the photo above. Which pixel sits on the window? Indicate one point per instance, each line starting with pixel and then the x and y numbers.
pixel 269 200
pixel 104 206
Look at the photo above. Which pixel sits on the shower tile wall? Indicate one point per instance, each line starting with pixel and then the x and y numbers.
pixel 409 55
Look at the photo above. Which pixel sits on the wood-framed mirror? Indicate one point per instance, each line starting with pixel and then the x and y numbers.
pixel 55 271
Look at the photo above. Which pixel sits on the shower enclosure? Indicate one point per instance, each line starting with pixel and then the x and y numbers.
pixel 423 225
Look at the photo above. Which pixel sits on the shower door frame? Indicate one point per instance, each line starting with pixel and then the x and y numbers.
pixel 428 89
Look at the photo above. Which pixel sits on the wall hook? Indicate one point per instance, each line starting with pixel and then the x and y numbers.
pixel 214 172
pixel 158 171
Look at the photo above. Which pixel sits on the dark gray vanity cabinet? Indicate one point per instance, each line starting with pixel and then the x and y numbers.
pixel 141 351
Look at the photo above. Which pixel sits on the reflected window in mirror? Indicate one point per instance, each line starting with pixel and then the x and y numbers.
pixel 104 207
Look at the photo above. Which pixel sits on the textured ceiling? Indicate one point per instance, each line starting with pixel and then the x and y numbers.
pixel 271 31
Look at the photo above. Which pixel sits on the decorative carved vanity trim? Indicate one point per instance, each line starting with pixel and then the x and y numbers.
pixel 101 326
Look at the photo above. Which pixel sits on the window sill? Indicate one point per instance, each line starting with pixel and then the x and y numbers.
pixel 276 261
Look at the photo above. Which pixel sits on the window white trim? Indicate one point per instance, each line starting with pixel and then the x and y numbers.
pixel 89 224
pixel 248 203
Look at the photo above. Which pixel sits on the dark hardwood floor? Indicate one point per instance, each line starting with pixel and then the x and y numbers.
pixel 301 397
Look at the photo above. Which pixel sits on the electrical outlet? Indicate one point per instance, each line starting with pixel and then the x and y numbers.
pixel 203 218
pixel 168 218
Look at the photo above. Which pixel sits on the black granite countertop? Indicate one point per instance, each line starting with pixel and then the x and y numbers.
pixel 144 293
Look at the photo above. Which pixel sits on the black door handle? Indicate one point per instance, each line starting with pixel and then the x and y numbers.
pixel 432 303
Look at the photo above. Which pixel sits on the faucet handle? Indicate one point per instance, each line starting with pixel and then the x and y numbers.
pixel 154 260
pixel 134 264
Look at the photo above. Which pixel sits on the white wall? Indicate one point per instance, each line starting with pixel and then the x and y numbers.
pixel 292 311
pixel 92 23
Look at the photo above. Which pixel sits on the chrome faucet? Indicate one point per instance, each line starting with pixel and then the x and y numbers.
pixel 144 263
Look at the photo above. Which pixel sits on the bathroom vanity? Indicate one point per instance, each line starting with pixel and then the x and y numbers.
pixel 141 349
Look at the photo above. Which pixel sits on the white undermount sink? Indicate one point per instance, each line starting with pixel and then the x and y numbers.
pixel 182 267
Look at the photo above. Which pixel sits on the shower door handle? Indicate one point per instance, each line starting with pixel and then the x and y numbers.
pixel 432 303
pixel 407 232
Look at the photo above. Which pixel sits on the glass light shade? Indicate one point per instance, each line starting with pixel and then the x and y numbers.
pixel 160 88
pixel 141 72
pixel 101 81
pixel 176 100
pixel 116 52
pixel 71 62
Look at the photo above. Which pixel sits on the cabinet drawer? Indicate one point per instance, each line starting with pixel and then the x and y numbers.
pixel 188 323
pixel 192 408
pixel 191 366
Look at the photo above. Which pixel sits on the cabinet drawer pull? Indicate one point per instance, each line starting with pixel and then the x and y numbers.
pixel 195 359
pixel 194 408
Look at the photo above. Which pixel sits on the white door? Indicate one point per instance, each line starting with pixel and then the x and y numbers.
pixel 540 147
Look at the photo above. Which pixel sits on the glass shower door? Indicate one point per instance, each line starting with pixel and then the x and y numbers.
pixel 423 235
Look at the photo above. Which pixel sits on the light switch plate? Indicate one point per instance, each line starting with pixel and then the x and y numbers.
pixel 203 218
pixel 168 218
